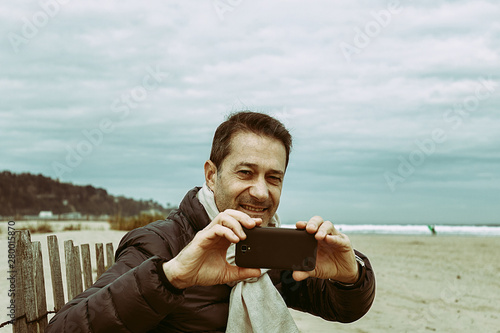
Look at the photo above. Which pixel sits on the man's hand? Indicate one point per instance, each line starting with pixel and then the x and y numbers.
pixel 203 261
pixel 335 258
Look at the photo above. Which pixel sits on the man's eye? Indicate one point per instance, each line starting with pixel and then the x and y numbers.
pixel 244 172
pixel 276 179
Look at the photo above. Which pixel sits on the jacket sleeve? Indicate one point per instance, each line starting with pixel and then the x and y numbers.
pixel 132 296
pixel 330 300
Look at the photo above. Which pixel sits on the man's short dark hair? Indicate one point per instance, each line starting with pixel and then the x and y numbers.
pixel 247 121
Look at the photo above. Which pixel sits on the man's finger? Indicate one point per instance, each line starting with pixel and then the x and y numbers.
pixel 326 228
pixel 228 220
pixel 234 220
pixel 313 224
pixel 300 275
pixel 243 218
pixel 218 231
pixel 301 224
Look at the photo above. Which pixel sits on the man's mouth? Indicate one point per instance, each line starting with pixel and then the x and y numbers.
pixel 253 209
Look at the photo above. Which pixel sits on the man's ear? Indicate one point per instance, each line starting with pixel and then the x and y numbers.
pixel 210 174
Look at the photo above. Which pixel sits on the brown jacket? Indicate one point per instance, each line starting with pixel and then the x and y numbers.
pixel 135 296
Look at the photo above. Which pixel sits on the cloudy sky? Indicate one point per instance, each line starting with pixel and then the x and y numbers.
pixel 393 105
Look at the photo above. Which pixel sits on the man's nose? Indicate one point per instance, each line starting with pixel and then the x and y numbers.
pixel 259 190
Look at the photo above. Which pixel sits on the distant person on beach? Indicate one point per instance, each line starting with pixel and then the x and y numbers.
pixel 432 228
pixel 177 275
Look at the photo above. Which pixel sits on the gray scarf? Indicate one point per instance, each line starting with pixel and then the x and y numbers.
pixel 255 304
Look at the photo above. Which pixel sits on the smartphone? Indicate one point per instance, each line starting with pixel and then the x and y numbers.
pixel 282 248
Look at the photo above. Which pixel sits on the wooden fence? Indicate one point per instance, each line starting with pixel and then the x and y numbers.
pixel 31 314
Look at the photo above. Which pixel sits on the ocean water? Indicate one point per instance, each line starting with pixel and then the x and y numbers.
pixel 413 229
pixel 396 229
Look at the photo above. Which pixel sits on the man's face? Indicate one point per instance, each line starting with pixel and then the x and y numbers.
pixel 250 178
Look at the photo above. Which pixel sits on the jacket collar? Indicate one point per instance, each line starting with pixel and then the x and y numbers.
pixel 192 208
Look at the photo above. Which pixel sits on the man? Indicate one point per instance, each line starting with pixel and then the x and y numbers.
pixel 178 275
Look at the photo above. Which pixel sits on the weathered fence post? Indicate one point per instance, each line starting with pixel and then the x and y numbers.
pixel 22 285
pixel 99 253
pixel 55 272
pixel 70 264
pixel 31 302
pixel 77 270
pixel 110 258
pixel 86 265
pixel 41 300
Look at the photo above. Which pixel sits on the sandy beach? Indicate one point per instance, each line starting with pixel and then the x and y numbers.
pixel 424 283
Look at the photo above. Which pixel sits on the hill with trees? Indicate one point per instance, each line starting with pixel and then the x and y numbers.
pixel 28 194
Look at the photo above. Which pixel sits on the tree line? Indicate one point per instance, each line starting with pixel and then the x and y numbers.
pixel 28 194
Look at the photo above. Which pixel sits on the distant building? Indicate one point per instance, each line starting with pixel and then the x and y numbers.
pixel 152 211
pixel 46 214
pixel 71 216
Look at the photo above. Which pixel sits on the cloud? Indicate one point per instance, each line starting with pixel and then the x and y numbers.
pixel 351 120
